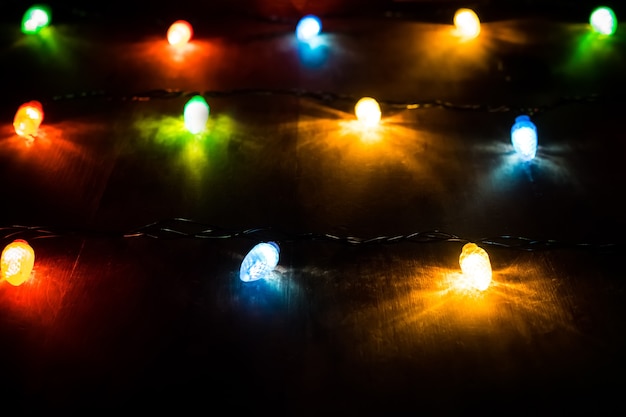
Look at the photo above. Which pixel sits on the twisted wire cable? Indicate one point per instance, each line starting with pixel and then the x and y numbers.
pixel 182 228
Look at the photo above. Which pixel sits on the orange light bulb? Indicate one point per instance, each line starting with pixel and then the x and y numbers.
pixel 28 119
pixel 476 266
pixel 467 23
pixel 179 33
pixel 16 262
pixel 367 111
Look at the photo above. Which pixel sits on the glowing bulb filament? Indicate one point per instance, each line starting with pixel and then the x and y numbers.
pixel 16 262
pixel 196 114
pixel 524 138
pixel 28 119
pixel 260 262
pixel 179 33
pixel 35 19
pixel 367 111
pixel 475 265
pixel 467 23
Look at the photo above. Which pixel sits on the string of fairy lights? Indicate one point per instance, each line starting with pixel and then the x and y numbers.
pixel 17 260
pixel 37 19
pixel 18 257
pixel 367 110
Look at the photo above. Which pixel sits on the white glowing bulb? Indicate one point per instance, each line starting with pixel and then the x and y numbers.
pixel 367 111
pixel 524 138
pixel 467 23
pixel 259 262
pixel 308 28
pixel 196 114
pixel 476 266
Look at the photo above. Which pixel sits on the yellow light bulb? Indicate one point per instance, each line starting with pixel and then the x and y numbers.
pixel 467 23
pixel 179 33
pixel 28 119
pixel 367 111
pixel 17 261
pixel 476 266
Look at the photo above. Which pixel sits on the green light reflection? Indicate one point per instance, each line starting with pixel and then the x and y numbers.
pixel 192 151
pixel 54 47
pixel 590 48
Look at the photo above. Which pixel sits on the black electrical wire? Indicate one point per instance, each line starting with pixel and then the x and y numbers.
pixel 182 228
pixel 332 97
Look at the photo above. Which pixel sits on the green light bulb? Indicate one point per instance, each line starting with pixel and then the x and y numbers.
pixel 603 21
pixel 196 114
pixel 36 18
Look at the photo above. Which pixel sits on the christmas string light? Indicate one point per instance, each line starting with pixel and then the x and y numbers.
pixel 467 23
pixel 28 118
pixel 524 137
pixel 260 262
pixel 367 111
pixel 308 28
pixel 603 20
pixel 35 19
pixel 424 11
pixel 16 262
pixel 179 33
pixel 196 114
pixel 196 118
pixel 476 267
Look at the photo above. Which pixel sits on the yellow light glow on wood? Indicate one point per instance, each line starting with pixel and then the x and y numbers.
pixel 476 266
pixel 28 119
pixel 467 23
pixel 179 33
pixel 368 111
pixel 17 261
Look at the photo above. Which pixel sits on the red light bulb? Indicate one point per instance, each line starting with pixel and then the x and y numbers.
pixel 28 119
pixel 179 33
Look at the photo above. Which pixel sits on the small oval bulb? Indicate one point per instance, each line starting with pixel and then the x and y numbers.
pixel 259 262
pixel 308 28
pixel 179 33
pixel 467 23
pixel 524 137
pixel 196 114
pixel 367 111
pixel 16 262
pixel 35 18
pixel 475 265
pixel 603 21
pixel 28 118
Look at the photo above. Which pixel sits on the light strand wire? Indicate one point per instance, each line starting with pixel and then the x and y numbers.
pixel 182 228
pixel 331 97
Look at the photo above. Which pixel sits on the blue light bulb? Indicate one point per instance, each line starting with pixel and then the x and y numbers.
pixel 259 262
pixel 524 138
pixel 308 28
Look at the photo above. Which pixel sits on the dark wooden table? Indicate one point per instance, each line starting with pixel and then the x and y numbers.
pixel 114 323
